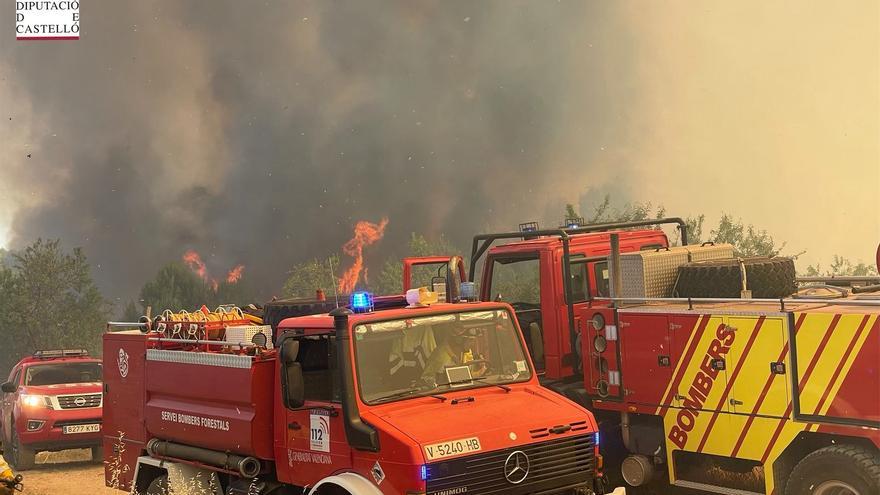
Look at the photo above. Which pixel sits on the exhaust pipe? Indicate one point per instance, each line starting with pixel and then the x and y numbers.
pixel 248 467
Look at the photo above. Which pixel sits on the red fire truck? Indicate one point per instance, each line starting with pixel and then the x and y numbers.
pixel 381 397
pixel 741 385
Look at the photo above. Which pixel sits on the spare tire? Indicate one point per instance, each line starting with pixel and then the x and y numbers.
pixel 765 277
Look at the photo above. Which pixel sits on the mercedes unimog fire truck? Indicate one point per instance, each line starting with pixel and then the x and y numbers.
pixel 385 396
pixel 715 370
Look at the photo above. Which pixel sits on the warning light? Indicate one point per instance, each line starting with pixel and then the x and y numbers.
pixel 597 438
pixel 361 302
pixel 424 472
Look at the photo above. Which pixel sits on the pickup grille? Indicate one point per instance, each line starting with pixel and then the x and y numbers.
pixel 79 401
pixel 553 465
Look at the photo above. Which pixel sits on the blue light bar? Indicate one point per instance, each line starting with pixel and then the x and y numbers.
pixel 361 302
pixel 424 472
pixel 597 438
pixel 573 225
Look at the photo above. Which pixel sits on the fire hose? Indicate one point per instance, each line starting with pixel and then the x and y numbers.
pixel 248 467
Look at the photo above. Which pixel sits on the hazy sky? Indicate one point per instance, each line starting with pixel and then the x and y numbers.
pixel 259 133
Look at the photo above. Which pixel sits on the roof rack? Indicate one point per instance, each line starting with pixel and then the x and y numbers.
pixel 60 353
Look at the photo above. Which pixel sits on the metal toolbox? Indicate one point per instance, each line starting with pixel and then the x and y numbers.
pixel 653 273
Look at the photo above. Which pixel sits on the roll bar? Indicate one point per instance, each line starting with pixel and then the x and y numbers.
pixel 482 243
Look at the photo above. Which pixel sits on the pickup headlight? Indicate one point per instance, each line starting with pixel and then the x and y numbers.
pixel 29 400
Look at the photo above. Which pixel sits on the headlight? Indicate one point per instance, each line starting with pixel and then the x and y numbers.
pixel 29 400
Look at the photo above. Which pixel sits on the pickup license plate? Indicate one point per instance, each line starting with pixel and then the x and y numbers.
pixel 454 447
pixel 81 429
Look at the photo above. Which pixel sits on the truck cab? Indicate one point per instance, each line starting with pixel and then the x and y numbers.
pixel 380 397
pixel 530 276
pixel 51 401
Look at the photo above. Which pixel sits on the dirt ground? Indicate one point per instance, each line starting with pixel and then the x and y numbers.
pixel 72 472
pixel 66 473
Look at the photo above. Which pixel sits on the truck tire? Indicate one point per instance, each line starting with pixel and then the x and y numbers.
pixel 21 457
pixel 836 469
pixel 159 486
pixel 770 278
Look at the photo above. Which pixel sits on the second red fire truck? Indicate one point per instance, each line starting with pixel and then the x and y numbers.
pixel 382 397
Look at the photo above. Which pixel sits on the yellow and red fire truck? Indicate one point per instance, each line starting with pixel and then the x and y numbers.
pixel 704 370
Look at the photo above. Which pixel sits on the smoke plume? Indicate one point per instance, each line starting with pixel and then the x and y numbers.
pixel 261 133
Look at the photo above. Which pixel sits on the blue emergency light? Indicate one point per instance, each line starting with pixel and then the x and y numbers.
pixel 597 438
pixel 361 302
pixel 424 472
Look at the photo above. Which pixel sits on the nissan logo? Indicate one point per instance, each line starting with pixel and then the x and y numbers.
pixel 516 467
pixel 79 401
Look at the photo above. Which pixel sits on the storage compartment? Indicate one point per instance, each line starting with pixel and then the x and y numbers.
pixel 653 273
pixel 123 414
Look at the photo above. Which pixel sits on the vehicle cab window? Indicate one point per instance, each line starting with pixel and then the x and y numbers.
pixel 317 356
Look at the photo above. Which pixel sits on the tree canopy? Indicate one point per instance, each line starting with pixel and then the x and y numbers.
pixel 48 300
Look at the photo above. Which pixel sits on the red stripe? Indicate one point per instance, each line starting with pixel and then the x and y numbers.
pixel 764 391
pixel 698 335
pixel 801 384
pixel 731 380
pixel 846 355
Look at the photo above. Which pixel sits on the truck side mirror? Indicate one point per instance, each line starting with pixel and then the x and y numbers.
pixel 295 386
pixel 8 388
pixel 289 350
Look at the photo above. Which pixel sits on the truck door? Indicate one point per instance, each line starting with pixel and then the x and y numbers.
pixel 646 360
pixel 6 406
pixel 519 280
pixel 756 388
pixel 315 436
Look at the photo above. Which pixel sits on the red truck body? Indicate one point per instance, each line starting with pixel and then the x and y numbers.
pixel 771 392
pixel 52 401
pixel 163 393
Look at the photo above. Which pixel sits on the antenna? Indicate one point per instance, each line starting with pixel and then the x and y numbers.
pixel 333 279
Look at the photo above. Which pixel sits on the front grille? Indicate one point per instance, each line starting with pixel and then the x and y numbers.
pixel 79 401
pixel 553 464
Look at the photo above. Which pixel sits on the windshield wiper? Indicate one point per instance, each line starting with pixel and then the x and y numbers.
pixel 407 392
pixel 481 379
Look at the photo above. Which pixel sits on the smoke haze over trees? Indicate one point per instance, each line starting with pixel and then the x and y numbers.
pixel 261 134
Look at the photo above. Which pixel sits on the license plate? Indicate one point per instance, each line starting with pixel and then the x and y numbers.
pixel 81 429
pixel 454 447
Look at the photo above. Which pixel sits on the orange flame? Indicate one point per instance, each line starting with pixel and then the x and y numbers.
pixel 195 263
pixel 365 234
pixel 234 275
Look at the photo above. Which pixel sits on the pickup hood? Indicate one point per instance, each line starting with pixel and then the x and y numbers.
pixel 498 418
pixel 62 389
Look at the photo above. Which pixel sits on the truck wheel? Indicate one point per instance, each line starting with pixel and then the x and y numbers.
pixel 159 486
pixel 836 470
pixel 22 457
pixel 766 278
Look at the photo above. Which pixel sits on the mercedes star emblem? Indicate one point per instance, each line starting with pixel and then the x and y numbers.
pixel 516 467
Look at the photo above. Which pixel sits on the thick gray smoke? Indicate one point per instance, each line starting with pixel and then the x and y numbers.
pixel 258 133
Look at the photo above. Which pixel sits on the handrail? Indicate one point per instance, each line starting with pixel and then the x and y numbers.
pixel 203 342
pixel 782 302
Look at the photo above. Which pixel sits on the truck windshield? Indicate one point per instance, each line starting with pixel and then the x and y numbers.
pixel 429 355
pixel 62 373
